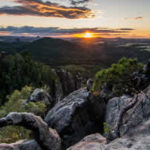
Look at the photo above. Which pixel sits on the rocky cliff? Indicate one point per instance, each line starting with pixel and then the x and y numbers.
pixel 76 123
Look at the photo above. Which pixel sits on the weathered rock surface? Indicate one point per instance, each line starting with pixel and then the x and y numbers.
pixel 98 142
pixel 41 95
pixel 91 142
pixel 134 117
pixel 137 142
pixel 76 116
pixel 47 139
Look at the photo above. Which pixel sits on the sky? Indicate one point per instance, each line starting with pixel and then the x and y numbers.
pixel 73 18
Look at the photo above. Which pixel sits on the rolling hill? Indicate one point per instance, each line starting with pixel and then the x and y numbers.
pixel 56 52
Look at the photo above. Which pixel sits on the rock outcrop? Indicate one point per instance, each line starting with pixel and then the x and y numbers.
pixel 135 116
pixel 41 95
pixel 45 138
pixel 64 84
pixel 69 82
pixel 137 141
pixel 76 116
pixel 91 142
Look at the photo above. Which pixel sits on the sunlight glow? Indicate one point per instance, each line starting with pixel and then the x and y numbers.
pixel 88 35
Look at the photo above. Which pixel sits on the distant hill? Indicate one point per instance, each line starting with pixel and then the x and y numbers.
pixel 14 47
pixel 54 51
pixel 101 52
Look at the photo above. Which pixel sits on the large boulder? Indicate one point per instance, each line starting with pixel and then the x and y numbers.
pixel 76 116
pixel 41 95
pixel 56 88
pixel 134 117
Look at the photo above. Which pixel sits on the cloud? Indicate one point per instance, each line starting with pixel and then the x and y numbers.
pixel 134 18
pixel 77 2
pixel 55 31
pixel 127 29
pixel 46 9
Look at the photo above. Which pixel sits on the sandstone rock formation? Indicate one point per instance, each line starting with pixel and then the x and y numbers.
pixel 41 95
pixel 47 139
pixel 64 84
pixel 76 116
pixel 68 82
pixel 91 142
pixel 133 117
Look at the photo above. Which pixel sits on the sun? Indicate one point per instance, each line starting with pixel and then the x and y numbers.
pixel 88 35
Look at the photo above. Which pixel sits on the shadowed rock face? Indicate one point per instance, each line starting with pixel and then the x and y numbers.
pixel 135 133
pixel 68 82
pixel 65 84
pixel 47 139
pixel 76 116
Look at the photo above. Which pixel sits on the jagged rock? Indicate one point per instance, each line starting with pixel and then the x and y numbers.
pixel 89 84
pixel 76 116
pixel 41 95
pixel 106 92
pixel 147 68
pixel 141 79
pixel 78 81
pixel 91 142
pixel 56 88
pixel 113 108
pixel 68 82
pixel 47 139
pixel 133 117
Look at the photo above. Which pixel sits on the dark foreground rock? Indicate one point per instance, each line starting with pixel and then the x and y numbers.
pixel 46 139
pixel 134 127
pixel 76 116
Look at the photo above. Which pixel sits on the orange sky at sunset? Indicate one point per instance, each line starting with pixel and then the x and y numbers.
pixel 75 18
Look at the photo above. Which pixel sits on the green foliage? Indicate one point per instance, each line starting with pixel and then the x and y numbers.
pixel 107 128
pixel 17 102
pixel 38 108
pixel 118 76
pixel 13 47
pixel 20 70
